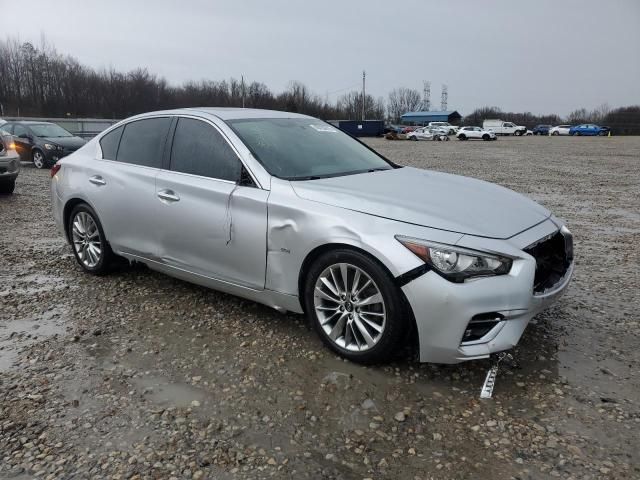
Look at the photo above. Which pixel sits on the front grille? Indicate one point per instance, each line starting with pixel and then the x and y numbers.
pixel 553 255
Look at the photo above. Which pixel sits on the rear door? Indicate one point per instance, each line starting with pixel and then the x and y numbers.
pixel 122 185
pixel 213 221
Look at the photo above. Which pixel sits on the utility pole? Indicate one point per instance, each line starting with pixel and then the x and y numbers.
pixel 363 93
pixel 242 77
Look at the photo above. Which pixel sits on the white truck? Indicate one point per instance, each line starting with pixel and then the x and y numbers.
pixel 500 127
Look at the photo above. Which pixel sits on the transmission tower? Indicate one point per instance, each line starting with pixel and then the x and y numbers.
pixel 426 98
pixel 444 98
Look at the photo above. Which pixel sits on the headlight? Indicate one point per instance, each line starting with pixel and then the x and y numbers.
pixel 457 264
pixel 50 146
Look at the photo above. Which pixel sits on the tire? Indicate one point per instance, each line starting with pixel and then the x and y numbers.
pixel 578 134
pixel 518 133
pixel 85 234
pixel 39 159
pixel 7 186
pixel 486 137
pixel 338 318
pixel 555 134
pixel 446 138
pixel 462 137
pixel 414 138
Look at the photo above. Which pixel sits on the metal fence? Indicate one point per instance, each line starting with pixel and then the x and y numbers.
pixel 81 127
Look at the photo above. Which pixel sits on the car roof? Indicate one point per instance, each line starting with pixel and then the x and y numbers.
pixel 30 122
pixel 227 113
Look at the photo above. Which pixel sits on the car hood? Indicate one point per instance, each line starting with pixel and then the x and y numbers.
pixel 71 143
pixel 431 199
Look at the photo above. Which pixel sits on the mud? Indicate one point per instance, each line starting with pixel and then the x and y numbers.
pixel 137 375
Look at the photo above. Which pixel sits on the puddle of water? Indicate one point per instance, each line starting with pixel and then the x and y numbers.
pixel 19 333
pixel 165 392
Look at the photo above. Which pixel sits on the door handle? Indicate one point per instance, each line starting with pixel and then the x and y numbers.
pixel 97 180
pixel 168 195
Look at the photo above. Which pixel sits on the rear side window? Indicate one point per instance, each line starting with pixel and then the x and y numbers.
pixel 199 149
pixel 109 143
pixel 142 142
pixel 19 130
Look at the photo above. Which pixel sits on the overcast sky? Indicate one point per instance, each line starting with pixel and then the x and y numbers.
pixel 539 56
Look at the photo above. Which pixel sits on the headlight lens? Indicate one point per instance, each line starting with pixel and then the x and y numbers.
pixel 455 263
pixel 50 146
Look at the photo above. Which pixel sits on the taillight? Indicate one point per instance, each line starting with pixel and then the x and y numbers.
pixel 55 169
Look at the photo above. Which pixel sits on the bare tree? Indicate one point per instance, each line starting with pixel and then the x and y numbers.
pixel 402 100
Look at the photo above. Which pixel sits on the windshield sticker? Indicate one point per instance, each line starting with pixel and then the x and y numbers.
pixel 324 128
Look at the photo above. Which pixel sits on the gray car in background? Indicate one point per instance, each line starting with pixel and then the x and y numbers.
pixel 289 211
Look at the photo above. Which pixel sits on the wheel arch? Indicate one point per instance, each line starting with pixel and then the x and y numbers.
pixel 320 250
pixel 68 208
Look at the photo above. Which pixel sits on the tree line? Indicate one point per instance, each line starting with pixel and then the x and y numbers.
pixel 39 81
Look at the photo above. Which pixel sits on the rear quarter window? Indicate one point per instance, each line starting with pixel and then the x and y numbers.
pixel 109 143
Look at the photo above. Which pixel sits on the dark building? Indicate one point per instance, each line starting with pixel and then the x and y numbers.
pixel 422 118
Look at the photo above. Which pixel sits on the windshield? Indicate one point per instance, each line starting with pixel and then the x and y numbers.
pixel 49 130
pixel 305 148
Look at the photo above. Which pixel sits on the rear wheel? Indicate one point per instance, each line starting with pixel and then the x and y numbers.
pixel 90 246
pixel 7 186
pixel 39 160
pixel 354 306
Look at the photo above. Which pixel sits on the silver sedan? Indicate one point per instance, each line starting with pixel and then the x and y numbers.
pixel 289 211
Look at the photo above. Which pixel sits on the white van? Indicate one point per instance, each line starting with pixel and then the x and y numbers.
pixel 500 127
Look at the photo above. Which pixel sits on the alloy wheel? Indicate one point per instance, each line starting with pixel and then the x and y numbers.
pixel 350 307
pixel 86 239
pixel 38 159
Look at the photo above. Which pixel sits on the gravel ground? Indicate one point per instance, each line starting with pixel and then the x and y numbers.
pixel 137 375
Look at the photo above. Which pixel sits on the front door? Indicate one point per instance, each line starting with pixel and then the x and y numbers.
pixel 210 224
pixel 24 142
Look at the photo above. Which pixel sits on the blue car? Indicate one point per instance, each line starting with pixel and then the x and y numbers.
pixel 541 129
pixel 588 129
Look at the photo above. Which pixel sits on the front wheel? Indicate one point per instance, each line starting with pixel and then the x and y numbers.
pixel 486 137
pixel 39 160
pixel 90 246
pixel 462 137
pixel 355 307
pixel 555 134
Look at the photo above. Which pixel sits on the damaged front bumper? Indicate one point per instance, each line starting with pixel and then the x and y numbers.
pixel 466 321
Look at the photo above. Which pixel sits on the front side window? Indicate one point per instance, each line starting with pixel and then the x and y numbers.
pixel 142 142
pixel 305 148
pixel 199 149
pixel 109 143
pixel 19 130
pixel 49 130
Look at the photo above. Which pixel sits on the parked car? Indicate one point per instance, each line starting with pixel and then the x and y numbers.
pixel 287 210
pixel 393 128
pixel 42 143
pixel 465 133
pixel 588 129
pixel 504 128
pixel 446 126
pixel 9 163
pixel 426 133
pixel 541 129
pixel 560 130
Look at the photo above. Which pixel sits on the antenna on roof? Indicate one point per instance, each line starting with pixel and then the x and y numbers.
pixel 444 98
pixel 426 96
